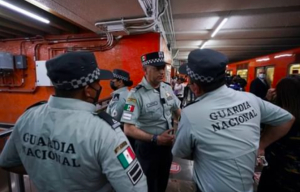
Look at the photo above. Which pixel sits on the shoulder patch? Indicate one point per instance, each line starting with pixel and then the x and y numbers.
pixel 36 104
pixel 108 119
pixel 116 97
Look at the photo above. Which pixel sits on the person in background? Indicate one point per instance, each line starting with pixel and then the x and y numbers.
pixel 179 88
pixel 120 83
pixel 220 130
pixel 235 83
pixel 259 86
pixel 64 145
pixel 283 156
pixel 242 82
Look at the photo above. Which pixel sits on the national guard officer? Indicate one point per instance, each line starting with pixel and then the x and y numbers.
pixel 221 129
pixel 147 116
pixel 120 83
pixel 63 145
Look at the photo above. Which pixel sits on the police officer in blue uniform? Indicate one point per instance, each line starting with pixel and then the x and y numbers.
pixel 148 119
pixel 63 145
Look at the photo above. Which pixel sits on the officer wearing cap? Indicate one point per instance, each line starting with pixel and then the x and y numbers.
pixel 147 118
pixel 63 145
pixel 120 83
pixel 220 131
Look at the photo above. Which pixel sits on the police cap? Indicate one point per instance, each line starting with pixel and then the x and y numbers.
pixel 123 75
pixel 154 59
pixel 205 65
pixel 74 70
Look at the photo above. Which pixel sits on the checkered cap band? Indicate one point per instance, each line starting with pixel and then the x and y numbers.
pixel 77 83
pixel 153 61
pixel 197 77
pixel 120 77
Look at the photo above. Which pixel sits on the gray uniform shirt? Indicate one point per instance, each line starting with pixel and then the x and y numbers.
pixel 149 109
pixel 65 147
pixel 117 103
pixel 221 132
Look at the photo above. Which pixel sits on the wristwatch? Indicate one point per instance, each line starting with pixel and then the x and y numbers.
pixel 154 139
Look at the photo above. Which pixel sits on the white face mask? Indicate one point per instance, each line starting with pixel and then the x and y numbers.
pixel 261 76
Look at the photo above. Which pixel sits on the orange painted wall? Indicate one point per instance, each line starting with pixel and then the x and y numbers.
pixel 125 55
pixel 281 65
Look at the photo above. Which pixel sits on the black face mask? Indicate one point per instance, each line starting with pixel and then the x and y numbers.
pixel 112 86
pixel 95 99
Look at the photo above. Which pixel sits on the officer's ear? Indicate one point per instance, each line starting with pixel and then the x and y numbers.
pixel 87 91
pixel 196 89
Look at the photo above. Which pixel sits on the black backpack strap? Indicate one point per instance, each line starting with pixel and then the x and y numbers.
pixel 108 119
pixel 36 104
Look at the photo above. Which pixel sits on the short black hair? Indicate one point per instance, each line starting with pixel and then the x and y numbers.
pixel 208 87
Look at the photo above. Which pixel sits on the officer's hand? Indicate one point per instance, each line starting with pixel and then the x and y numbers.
pixel 271 94
pixel 261 161
pixel 166 138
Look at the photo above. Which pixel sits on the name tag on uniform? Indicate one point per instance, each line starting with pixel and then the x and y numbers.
pixel 152 104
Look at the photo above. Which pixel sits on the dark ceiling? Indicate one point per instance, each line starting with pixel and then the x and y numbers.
pixel 14 24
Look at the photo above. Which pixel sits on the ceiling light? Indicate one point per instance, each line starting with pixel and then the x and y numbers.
pixel 203 45
pixel 283 55
pixel 24 12
pixel 265 59
pixel 219 27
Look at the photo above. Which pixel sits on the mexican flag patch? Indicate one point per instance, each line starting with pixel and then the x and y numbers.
pixel 126 157
pixel 129 108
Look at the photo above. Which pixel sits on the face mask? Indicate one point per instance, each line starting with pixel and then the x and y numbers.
pixel 261 76
pixel 95 99
pixel 112 86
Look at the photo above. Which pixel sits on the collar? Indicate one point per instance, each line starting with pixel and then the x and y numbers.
pixel 120 90
pixel 71 104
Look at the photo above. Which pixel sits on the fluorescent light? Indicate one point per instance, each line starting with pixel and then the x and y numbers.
pixel 24 12
pixel 283 55
pixel 265 59
pixel 219 27
pixel 203 45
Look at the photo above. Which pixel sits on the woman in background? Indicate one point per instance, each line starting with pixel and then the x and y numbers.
pixel 283 156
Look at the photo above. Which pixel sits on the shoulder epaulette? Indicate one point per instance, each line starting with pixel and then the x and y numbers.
pixel 138 87
pixel 36 104
pixel 108 119
pixel 167 83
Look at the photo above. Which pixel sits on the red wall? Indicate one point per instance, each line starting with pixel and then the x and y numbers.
pixel 281 65
pixel 125 55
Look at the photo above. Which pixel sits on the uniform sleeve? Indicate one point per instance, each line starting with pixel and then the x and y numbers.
pixel 120 165
pixel 10 156
pixel 118 111
pixel 272 114
pixel 132 108
pixel 183 146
